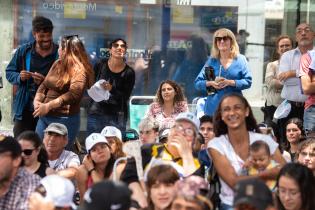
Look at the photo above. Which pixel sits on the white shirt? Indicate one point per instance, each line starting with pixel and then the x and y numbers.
pixel 292 89
pixel 224 147
pixel 66 159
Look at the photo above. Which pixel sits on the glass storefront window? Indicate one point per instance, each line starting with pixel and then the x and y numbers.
pixel 167 39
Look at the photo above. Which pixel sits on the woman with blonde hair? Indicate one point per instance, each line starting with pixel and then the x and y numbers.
pixel 169 102
pixel 58 97
pixel 224 72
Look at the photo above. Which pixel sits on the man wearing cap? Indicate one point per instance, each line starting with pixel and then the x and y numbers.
pixel 253 194
pixel 27 69
pixel 178 149
pixel 63 161
pixel 16 184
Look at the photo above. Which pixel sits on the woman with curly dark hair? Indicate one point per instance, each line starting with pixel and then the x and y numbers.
pixel 169 102
pixel 236 129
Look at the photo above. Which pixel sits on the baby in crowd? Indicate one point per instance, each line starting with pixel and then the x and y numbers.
pixel 259 160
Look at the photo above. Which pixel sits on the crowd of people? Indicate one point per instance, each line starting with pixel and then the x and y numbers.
pixel 217 158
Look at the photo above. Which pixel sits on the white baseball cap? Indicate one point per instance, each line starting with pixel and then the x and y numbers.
pixel 93 139
pixel 59 190
pixel 190 117
pixel 110 131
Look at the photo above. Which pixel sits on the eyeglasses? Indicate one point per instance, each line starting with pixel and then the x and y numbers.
pixel 67 37
pixel 187 131
pixel 224 38
pixel 28 152
pixel 291 193
pixel 306 30
pixel 115 45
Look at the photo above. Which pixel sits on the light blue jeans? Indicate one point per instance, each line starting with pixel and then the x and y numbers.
pixel 71 122
pixel 309 120
pixel 224 206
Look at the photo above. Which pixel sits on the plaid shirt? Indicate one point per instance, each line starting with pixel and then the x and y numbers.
pixel 21 187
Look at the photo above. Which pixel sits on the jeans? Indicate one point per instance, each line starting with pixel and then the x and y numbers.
pixel 96 123
pixel 71 122
pixel 224 206
pixel 309 120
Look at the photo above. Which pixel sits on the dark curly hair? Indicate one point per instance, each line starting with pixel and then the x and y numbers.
pixel 179 95
pixel 219 126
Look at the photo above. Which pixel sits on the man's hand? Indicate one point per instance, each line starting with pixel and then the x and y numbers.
pixel 38 78
pixel 25 75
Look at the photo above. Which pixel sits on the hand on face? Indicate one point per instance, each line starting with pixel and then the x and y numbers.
pixel 179 141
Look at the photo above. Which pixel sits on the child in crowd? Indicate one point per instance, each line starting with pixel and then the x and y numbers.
pixel 260 160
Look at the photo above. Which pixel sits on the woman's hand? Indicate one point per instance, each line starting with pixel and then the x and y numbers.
pixel 226 82
pixel 88 163
pixel 41 109
pixel 107 86
pixel 213 84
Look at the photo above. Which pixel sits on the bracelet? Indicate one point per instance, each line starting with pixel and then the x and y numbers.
pixel 90 171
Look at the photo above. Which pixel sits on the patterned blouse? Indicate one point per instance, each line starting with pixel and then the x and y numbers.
pixel 156 111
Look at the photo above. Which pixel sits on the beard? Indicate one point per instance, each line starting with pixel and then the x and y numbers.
pixel 5 176
pixel 45 45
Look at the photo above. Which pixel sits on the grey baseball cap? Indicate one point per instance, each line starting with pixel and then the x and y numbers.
pixel 57 128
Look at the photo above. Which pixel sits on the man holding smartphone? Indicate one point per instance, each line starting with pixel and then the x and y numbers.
pixel 27 69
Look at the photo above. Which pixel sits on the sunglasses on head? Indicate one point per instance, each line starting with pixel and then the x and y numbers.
pixel 115 45
pixel 28 152
pixel 224 38
pixel 67 37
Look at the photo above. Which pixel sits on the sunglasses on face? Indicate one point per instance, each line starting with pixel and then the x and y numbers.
pixel 115 45
pixel 28 152
pixel 224 38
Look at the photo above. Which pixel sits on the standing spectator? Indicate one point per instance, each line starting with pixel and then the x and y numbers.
pixel 307 75
pixel 274 85
pixel 27 69
pixel 34 154
pixel 229 67
pixel 234 127
pixel 64 162
pixel 289 74
pixel 306 154
pixel 296 188
pixel 119 81
pixel 169 102
pixel 295 134
pixel 160 184
pixel 58 97
pixel 16 184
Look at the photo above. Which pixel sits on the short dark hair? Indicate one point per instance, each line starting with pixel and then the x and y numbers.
pixel 116 40
pixel 258 145
pixel 205 118
pixel 41 23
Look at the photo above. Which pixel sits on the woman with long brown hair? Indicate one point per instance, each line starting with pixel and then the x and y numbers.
pixel 58 97
pixel 169 102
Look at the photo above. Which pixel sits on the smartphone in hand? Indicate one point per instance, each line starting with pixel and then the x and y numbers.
pixel 209 71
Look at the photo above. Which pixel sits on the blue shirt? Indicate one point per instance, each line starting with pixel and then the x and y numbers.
pixel 237 71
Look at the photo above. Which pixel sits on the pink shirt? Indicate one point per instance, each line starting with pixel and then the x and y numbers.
pixel 156 111
pixel 305 71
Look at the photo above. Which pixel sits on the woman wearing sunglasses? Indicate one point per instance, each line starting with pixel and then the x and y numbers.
pixel 33 153
pixel 58 97
pixel 118 79
pixel 224 72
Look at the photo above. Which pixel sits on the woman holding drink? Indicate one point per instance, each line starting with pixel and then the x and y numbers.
pixel 224 72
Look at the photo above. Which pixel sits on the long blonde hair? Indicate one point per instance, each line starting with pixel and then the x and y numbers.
pixel 215 53
pixel 74 58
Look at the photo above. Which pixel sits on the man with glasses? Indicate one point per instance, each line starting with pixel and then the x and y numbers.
pixel 289 74
pixel 177 152
pixel 16 184
pixel 27 69
pixel 63 161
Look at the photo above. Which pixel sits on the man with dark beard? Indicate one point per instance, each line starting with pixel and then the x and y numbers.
pixel 16 184
pixel 27 69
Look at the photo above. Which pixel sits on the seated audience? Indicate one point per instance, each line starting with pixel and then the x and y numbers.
pixel 148 131
pixel 16 183
pixel 114 139
pixel 33 153
pixel 306 154
pixel 65 162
